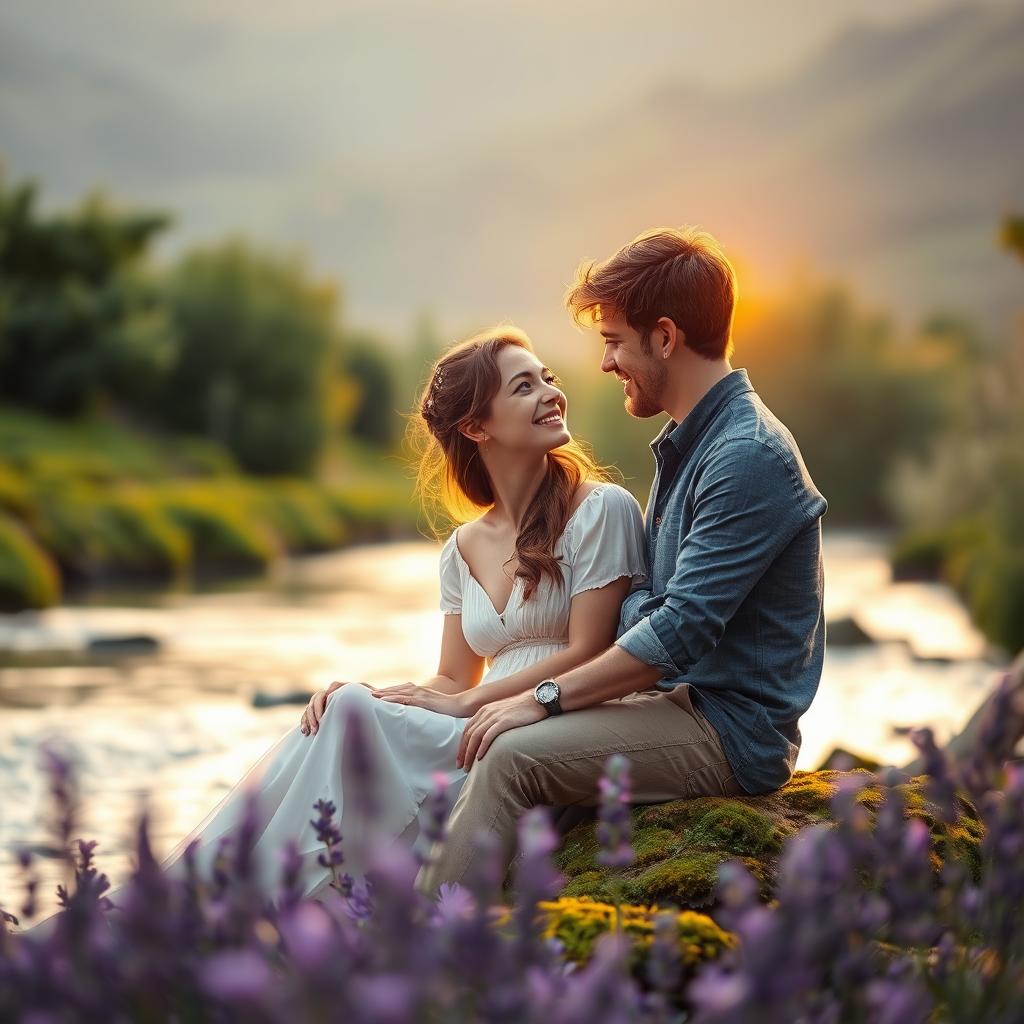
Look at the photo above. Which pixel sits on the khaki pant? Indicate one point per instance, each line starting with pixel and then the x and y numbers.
pixel 672 749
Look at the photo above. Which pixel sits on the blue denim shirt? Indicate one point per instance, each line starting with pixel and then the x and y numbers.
pixel 733 600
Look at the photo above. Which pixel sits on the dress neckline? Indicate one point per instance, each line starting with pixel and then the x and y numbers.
pixel 517 579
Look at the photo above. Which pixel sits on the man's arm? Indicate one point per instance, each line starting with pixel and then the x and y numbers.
pixel 613 673
pixel 630 613
pixel 747 507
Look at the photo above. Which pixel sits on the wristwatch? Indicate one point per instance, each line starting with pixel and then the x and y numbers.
pixel 546 694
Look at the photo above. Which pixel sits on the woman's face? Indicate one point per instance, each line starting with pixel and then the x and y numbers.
pixel 528 411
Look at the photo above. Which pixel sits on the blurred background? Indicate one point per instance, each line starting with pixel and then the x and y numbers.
pixel 233 236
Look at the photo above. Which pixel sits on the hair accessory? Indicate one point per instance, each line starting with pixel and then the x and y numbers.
pixel 435 387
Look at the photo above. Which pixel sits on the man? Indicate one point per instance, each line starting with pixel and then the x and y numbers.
pixel 720 652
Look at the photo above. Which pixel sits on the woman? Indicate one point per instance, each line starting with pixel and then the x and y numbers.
pixel 531 585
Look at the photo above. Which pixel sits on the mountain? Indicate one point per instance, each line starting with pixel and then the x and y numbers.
pixel 887 159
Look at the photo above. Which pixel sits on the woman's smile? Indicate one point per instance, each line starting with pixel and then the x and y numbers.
pixel 550 419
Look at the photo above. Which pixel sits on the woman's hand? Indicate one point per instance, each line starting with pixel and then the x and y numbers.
pixel 310 721
pixel 458 705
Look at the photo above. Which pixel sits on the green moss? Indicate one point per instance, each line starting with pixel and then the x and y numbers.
pixel 28 578
pixel 591 884
pixel 681 843
pixel 687 879
pixel 651 844
pixel 579 851
pixel 810 792
pixel 736 826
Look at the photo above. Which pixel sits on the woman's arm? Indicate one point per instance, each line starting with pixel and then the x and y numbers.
pixel 459 668
pixel 593 617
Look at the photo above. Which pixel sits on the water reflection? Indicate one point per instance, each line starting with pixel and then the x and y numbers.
pixel 181 725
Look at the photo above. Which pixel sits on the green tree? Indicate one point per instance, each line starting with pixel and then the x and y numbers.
pixel 1012 235
pixel 374 418
pixel 857 397
pixel 258 339
pixel 81 321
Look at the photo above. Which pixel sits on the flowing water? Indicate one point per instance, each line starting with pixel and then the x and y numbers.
pixel 181 724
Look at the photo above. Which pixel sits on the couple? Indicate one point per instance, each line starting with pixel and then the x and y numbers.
pixel 689 639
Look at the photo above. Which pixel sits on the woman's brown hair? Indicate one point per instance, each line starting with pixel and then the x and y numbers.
pixel 679 273
pixel 450 472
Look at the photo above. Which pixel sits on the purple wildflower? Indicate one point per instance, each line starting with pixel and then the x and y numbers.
pixel 237 976
pixel 615 825
pixel 454 902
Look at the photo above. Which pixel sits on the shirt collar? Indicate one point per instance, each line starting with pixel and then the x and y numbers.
pixel 682 435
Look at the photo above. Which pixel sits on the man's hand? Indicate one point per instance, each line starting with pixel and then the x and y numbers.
pixel 492 720
pixel 314 711
pixel 458 705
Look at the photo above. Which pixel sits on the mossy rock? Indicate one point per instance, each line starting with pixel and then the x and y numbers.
pixel 680 844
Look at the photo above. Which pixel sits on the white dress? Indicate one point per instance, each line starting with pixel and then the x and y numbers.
pixel 602 541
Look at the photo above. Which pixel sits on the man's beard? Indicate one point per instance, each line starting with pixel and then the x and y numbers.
pixel 645 400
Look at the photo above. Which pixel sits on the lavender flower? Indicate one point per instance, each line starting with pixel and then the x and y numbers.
pixel 30 883
pixel 328 834
pixel 358 767
pixel 941 786
pixel 664 967
pixel 209 946
pixel 434 816
pixel 237 976
pixel 615 826
pixel 536 880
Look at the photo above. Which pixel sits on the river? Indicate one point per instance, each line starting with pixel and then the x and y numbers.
pixel 181 724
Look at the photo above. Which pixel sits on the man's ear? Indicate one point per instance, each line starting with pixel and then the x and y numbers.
pixel 665 337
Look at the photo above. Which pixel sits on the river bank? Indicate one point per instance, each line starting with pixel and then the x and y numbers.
pixel 183 720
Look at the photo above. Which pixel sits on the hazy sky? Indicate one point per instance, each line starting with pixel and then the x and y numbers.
pixel 463 155
pixel 401 77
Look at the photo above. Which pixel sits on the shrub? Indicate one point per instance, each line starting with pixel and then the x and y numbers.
pixel 221 526
pixel 14 492
pixel 301 514
pixel 28 578
pixel 374 509
pixel 94 532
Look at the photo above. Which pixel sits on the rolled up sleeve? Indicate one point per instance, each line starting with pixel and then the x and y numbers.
pixel 632 610
pixel 749 503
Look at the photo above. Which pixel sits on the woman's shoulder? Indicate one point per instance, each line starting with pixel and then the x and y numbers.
pixel 450 548
pixel 601 500
pixel 604 493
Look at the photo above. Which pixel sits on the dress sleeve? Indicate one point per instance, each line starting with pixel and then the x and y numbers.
pixel 607 540
pixel 451 579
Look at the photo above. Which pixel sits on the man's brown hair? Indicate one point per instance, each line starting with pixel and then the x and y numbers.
pixel 681 273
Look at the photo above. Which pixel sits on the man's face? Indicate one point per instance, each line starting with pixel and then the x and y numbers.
pixel 643 374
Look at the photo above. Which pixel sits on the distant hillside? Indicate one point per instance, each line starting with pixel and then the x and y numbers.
pixel 887 159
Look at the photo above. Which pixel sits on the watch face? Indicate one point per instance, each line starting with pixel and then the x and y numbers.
pixel 547 692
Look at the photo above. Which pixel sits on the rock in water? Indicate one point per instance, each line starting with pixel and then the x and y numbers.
pixel 137 644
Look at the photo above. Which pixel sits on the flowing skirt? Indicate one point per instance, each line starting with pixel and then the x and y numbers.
pixel 407 747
